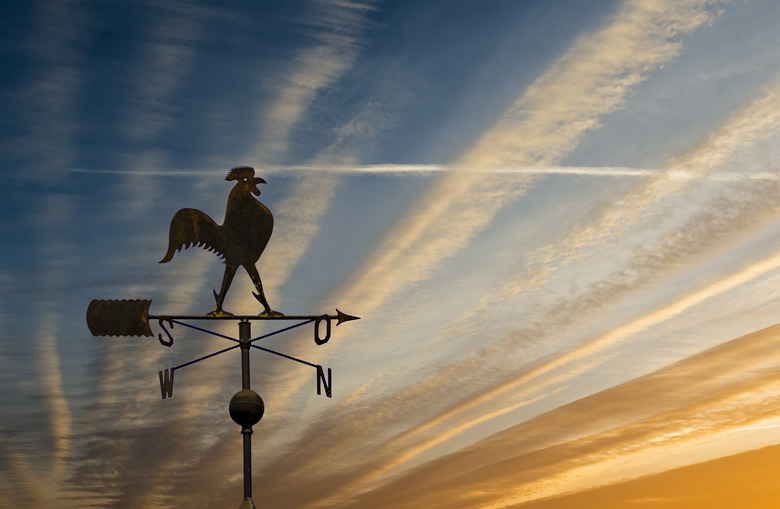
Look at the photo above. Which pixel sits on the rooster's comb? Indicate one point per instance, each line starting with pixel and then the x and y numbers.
pixel 240 172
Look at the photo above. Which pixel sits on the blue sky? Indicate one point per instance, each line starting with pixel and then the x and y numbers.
pixel 559 222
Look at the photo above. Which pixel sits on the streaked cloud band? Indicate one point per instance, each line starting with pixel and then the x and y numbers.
pixel 429 169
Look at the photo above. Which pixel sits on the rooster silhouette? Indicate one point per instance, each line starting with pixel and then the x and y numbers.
pixel 239 241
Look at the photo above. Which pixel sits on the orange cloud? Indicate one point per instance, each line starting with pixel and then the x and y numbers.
pixel 742 480
pixel 725 388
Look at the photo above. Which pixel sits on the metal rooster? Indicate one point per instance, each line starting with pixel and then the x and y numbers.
pixel 239 241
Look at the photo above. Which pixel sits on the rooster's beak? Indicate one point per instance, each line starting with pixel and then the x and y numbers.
pixel 254 181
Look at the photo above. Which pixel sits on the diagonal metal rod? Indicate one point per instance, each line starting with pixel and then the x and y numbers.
pixel 202 330
pixel 283 355
pixel 280 331
pixel 207 356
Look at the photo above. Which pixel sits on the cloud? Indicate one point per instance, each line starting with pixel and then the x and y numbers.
pixel 22 482
pixel 162 69
pixel 593 78
pixel 734 481
pixel 432 169
pixel 725 388
pixel 296 225
pixel 60 417
pixel 759 427
pixel 51 91
pixel 165 62
pixel 489 401
pixel 337 29
pixel 752 124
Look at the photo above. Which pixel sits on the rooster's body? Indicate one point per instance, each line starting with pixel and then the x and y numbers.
pixel 240 240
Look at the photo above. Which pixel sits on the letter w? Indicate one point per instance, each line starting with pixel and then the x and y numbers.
pixel 166 383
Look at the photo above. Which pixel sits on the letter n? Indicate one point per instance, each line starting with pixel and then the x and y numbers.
pixel 166 383
pixel 321 381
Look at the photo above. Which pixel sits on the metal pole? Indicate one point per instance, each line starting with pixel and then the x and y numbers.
pixel 246 409
pixel 247 432
pixel 244 336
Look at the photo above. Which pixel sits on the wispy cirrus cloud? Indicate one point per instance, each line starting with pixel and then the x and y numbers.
pixel 163 67
pixel 575 362
pixel 592 79
pixel 752 124
pixel 165 62
pixel 337 28
pixel 53 91
pixel 21 482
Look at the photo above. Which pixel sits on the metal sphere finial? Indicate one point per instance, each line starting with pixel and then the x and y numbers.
pixel 246 408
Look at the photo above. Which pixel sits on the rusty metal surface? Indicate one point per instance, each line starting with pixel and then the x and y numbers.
pixel 119 317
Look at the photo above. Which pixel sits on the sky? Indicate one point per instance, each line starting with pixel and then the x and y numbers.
pixel 559 222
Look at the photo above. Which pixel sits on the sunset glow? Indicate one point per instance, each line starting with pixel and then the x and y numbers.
pixel 559 222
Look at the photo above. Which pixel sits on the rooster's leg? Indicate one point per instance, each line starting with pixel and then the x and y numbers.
pixel 230 271
pixel 260 295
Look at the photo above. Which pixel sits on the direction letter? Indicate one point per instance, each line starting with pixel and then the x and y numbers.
pixel 320 381
pixel 317 338
pixel 166 384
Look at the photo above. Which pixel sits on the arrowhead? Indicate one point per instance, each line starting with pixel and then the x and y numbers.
pixel 343 317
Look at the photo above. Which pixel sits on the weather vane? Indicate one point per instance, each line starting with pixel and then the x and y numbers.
pixel 239 241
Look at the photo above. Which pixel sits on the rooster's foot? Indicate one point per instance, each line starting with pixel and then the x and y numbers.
pixel 219 312
pixel 270 313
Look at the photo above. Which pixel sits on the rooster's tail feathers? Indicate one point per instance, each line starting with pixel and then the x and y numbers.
pixel 192 227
